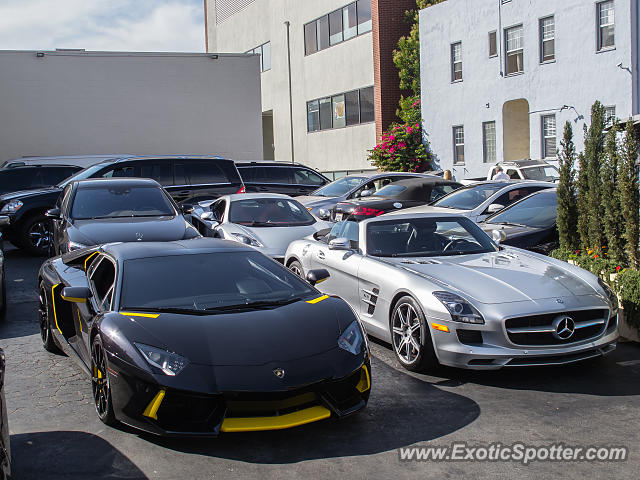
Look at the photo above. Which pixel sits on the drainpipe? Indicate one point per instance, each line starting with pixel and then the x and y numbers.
pixel 500 37
pixel 290 94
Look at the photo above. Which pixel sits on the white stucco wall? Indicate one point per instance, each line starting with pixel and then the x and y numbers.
pixel 340 68
pixel 110 103
pixel 577 78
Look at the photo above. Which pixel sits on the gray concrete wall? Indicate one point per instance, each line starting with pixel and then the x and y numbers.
pixel 67 103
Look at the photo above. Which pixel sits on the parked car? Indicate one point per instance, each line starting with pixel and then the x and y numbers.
pixel 5 444
pixel 291 179
pixel 479 200
pixel 393 197
pixel 187 179
pixel 3 283
pixel 527 170
pixel 268 222
pixel 529 223
pixel 82 161
pixel 32 177
pixel 350 187
pixel 107 210
pixel 440 291
pixel 202 337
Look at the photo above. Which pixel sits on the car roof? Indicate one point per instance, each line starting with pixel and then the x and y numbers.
pixel 116 182
pixel 137 250
pixel 524 163
pixel 269 163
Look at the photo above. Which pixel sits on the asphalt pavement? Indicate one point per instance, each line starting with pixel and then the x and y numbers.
pixel 55 432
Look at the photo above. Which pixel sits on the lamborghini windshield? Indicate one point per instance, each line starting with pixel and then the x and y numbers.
pixel 426 237
pixel 208 282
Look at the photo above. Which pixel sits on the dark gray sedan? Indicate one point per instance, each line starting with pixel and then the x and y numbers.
pixel 97 211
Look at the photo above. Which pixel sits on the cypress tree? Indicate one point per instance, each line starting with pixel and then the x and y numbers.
pixel 593 153
pixel 613 222
pixel 567 220
pixel 582 186
pixel 629 196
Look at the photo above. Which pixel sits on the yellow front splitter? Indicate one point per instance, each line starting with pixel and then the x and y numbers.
pixel 256 424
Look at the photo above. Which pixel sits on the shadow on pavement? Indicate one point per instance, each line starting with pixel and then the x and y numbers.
pixel 64 454
pixel 402 410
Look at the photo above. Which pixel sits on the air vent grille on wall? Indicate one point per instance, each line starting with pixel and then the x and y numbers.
pixel 228 8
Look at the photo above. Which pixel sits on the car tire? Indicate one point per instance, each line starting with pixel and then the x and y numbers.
pixel 34 234
pixel 296 267
pixel 100 385
pixel 44 317
pixel 410 336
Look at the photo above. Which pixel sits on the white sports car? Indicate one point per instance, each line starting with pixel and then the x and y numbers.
pixel 441 291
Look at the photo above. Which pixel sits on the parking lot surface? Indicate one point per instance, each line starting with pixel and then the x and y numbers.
pixel 55 432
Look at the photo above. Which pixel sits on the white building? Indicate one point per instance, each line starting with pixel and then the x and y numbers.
pixel 325 67
pixel 501 77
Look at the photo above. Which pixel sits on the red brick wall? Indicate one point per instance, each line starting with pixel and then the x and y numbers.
pixel 388 26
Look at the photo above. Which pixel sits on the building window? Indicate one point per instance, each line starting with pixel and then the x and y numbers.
pixel 456 62
pixel 264 51
pixel 489 142
pixel 458 144
pixel 549 136
pixel 341 110
pixel 513 39
pixel 606 25
pixel 338 26
pixel 493 44
pixel 609 115
pixel 547 39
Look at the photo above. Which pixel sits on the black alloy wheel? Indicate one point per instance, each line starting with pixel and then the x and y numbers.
pixel 100 383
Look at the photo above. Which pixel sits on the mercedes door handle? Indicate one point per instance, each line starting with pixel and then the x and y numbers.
pixel 321 255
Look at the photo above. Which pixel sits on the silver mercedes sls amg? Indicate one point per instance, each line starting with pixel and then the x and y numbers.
pixel 441 291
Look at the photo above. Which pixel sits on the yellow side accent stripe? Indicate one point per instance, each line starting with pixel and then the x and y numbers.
pixel 87 259
pixel 74 299
pixel 319 299
pixel 148 315
pixel 365 381
pixel 53 303
pixel 152 409
pixel 256 424
pixel 440 328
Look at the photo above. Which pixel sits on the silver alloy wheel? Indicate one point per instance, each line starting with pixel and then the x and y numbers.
pixel 407 333
pixel 39 235
pixel 295 268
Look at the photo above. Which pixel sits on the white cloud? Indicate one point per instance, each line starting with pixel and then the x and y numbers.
pixel 133 25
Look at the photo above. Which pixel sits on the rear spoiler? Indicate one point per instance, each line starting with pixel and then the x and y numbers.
pixel 79 258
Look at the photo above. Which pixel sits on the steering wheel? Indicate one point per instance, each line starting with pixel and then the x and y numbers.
pixel 454 241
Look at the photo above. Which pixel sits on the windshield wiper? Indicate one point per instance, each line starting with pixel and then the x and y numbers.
pixel 185 311
pixel 509 223
pixel 253 305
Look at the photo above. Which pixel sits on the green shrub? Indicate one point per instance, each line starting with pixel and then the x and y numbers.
pixel 628 283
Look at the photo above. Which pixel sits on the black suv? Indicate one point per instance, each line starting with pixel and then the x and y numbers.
pixel 31 177
pixel 279 177
pixel 188 179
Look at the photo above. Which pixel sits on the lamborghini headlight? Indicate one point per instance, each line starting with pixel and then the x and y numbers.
pixel 246 239
pixel 170 363
pixel 11 207
pixel 352 339
pixel 459 308
pixel 611 296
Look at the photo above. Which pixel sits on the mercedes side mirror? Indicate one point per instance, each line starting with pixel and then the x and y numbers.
pixel 207 215
pixel 323 214
pixel 366 193
pixel 340 244
pixel 76 294
pixel 498 236
pixel 317 276
pixel 53 213
pixel 494 208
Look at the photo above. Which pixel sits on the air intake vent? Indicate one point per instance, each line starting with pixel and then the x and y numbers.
pixel 420 262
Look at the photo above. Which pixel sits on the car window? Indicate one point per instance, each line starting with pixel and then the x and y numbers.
pixel 63 200
pixel 119 201
pixel 303 176
pixel 199 172
pixel 539 211
pixel 102 282
pixel 374 185
pixel 339 187
pixel 514 195
pixel 470 197
pixel 252 174
pixel 218 210
pixel 439 191
pixel 543 173
pixel 120 171
pixel 160 172
pixel 513 174
pixel 51 176
pixel 345 229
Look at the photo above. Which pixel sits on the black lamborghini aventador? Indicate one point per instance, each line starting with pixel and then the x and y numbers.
pixel 203 336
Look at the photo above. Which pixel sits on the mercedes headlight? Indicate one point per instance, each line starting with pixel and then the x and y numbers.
pixel 11 207
pixel 170 363
pixel 459 308
pixel 246 239
pixel 352 339
pixel 611 296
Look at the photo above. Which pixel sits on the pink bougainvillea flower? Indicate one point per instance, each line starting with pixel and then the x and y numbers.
pixel 392 138
pixel 409 129
pixel 402 145
pixel 618 268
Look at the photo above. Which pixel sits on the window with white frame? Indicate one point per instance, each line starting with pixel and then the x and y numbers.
pixel 606 25
pixel 548 136
pixel 458 144
pixel 513 39
pixel 456 62
pixel 489 142
pixel 547 39
pixel 609 115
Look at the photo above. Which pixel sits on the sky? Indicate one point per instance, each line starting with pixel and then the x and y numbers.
pixel 123 25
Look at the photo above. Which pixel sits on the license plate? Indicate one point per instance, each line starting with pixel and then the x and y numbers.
pixel 339 217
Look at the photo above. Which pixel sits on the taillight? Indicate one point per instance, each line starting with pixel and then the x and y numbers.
pixel 242 190
pixel 367 212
